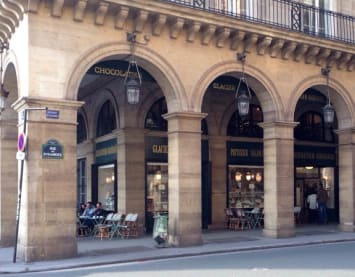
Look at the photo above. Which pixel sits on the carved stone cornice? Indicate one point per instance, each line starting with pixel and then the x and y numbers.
pixel 250 41
pixel 237 38
pixel 322 56
pixel 140 20
pixel 176 27
pixel 101 13
pixel 344 60
pixel 276 47
pixel 79 10
pixel 221 35
pixel 288 49
pixel 158 24
pixel 57 8
pixel 351 64
pixel 311 54
pixel 300 51
pixel 263 44
pixel 333 58
pixel 239 33
pixel 207 34
pixel 192 29
pixel 121 17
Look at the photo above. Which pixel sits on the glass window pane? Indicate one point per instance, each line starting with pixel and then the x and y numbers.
pixel 157 188
pixel 327 179
pixel 106 192
pixel 246 187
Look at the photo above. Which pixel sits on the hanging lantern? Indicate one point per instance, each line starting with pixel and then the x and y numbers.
pixel 328 114
pixel 132 91
pixel 242 94
pixel 133 87
pixel 328 110
pixel 243 102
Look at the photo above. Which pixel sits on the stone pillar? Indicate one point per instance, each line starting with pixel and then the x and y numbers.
pixel 8 181
pixel 184 135
pixel 347 179
pixel 279 179
pixel 130 173
pixel 48 211
pixel 218 152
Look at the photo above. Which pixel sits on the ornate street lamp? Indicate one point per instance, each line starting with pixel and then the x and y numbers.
pixel 328 110
pixel 242 95
pixel 3 92
pixel 133 80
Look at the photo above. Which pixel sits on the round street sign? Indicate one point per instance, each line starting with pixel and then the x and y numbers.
pixel 21 142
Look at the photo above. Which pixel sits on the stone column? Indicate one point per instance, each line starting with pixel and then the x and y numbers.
pixel 48 211
pixel 218 152
pixel 8 180
pixel 347 179
pixel 130 173
pixel 279 179
pixel 184 135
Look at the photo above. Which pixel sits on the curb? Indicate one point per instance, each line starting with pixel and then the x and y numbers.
pixel 181 255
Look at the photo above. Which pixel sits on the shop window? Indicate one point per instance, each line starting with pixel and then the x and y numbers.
pixel 246 187
pixel 312 128
pixel 106 122
pixel 246 126
pixel 81 133
pixel 106 186
pixel 81 181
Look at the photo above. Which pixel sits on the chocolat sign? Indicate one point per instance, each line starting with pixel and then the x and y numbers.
pixel 52 150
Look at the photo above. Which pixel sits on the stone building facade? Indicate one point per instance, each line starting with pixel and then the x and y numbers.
pixel 72 57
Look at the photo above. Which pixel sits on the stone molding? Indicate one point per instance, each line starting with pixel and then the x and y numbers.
pixel 277 43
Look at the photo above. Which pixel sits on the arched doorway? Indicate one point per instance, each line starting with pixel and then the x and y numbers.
pixel 112 138
pixel 316 158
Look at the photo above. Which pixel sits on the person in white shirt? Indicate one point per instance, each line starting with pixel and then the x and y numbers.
pixel 312 206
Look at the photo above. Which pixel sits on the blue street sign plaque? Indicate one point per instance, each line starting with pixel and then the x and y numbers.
pixel 52 114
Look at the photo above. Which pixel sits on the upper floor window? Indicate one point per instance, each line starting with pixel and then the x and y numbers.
pixel 248 126
pixel 106 121
pixel 81 133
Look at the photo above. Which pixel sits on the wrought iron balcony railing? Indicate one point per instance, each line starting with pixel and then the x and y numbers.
pixel 285 14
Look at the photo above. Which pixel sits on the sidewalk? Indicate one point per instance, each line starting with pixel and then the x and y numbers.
pixel 93 251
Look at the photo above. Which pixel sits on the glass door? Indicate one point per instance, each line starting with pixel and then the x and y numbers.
pixel 104 186
pixel 156 192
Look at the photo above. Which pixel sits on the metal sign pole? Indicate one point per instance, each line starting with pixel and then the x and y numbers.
pixel 21 179
pixel 19 194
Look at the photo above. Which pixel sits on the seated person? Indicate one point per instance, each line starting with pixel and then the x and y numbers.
pixel 89 210
pixel 99 211
pixel 88 214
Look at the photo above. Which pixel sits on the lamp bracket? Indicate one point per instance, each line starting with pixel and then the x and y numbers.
pixel 241 57
pixel 132 38
pixel 325 71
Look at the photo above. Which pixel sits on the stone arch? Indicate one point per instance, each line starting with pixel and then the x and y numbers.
pixel 11 83
pixel 107 95
pixel 340 98
pixel 155 64
pixel 263 87
pixel 83 113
